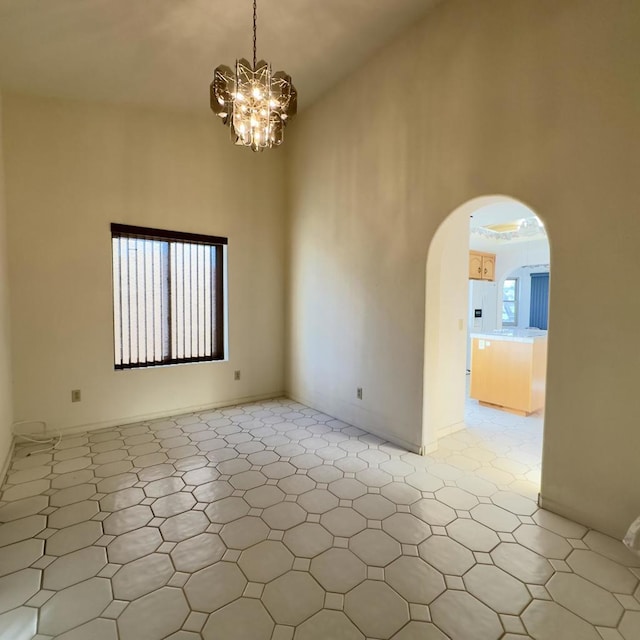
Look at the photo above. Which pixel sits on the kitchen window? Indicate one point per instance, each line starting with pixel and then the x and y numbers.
pixel 168 297
pixel 510 302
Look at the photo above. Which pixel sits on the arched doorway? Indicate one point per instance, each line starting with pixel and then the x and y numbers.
pixel 450 303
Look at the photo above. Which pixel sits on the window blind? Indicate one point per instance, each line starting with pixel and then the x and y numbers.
pixel 168 297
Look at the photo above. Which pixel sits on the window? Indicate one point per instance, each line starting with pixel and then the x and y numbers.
pixel 510 302
pixel 168 297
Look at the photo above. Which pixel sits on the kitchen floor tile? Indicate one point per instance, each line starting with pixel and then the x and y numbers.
pixel 74 605
pixel 20 555
pixel 74 567
pixel 154 616
pixel 17 588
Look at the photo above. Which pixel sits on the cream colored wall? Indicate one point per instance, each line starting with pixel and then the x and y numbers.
pixel 534 100
pixel 6 408
pixel 445 329
pixel 73 168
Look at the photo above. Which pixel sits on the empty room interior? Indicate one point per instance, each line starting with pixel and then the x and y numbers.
pixel 368 373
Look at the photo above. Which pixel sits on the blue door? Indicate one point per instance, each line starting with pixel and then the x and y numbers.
pixel 539 310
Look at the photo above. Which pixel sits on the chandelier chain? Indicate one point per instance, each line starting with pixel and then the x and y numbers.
pixel 255 29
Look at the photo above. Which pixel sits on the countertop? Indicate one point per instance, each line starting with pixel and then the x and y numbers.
pixel 512 335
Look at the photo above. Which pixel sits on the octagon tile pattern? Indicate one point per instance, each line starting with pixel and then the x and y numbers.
pixel 273 521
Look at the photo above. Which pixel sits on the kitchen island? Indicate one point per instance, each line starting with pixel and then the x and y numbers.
pixel 508 369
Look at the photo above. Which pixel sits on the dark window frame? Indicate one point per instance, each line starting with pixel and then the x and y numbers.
pixel 217 297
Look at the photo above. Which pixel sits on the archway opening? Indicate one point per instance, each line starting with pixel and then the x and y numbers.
pixel 489 308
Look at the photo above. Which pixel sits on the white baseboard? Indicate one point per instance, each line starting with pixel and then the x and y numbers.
pixel 6 463
pixel 452 428
pixel 168 413
pixel 432 447
pixel 427 449
pixel 582 517
pixel 383 435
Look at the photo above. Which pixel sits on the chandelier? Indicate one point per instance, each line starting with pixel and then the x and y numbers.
pixel 253 101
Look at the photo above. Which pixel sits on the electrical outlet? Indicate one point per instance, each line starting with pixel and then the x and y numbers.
pixel 75 395
pixel 236 374
pixel 359 393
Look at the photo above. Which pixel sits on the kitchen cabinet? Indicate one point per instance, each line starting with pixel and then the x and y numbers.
pixel 508 370
pixel 482 266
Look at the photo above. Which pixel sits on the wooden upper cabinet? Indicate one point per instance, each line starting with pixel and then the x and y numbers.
pixel 489 267
pixel 475 266
pixel 482 266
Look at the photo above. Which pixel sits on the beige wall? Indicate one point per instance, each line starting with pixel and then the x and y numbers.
pixel 447 295
pixel 73 168
pixel 534 100
pixel 6 412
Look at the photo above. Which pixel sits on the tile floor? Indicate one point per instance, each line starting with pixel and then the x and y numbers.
pixel 272 521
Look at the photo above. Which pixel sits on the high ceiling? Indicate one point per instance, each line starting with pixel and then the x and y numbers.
pixel 163 52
